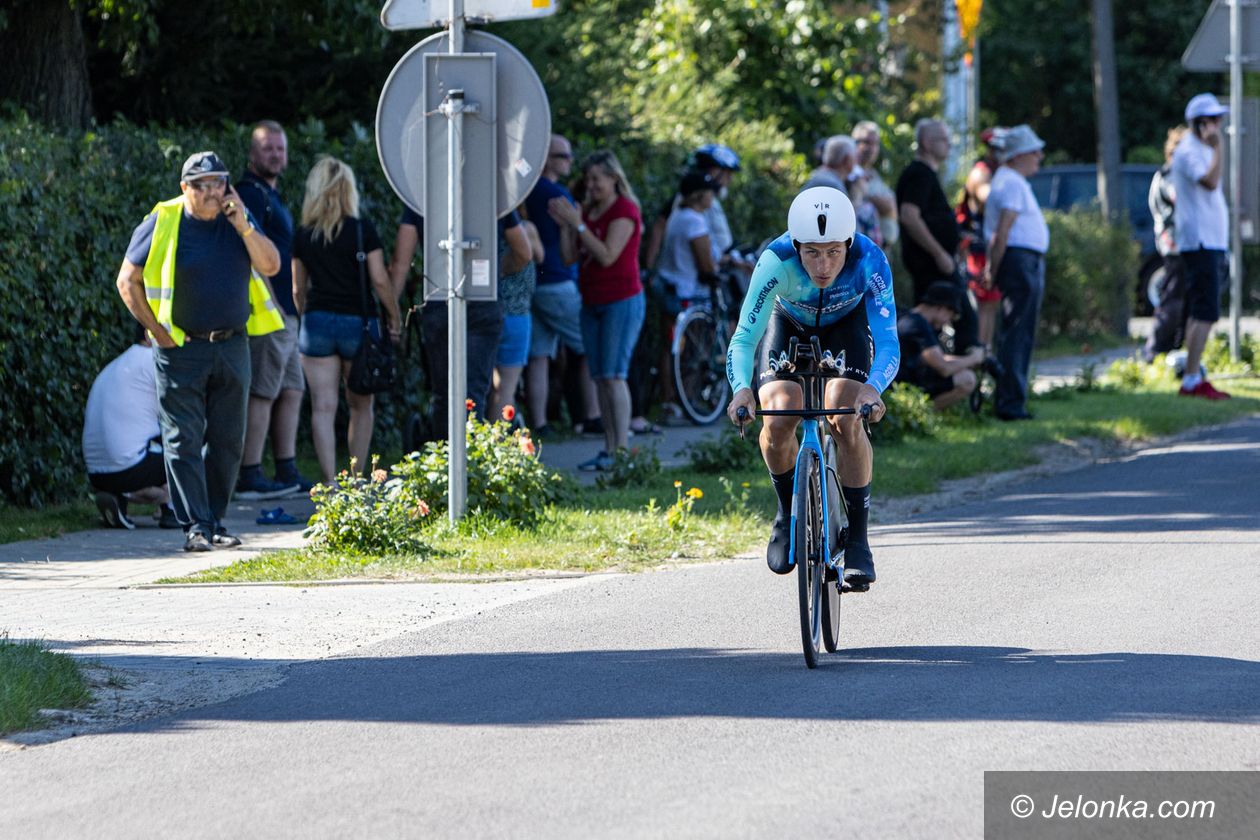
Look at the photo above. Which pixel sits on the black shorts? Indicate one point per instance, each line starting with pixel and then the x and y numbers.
pixel 151 472
pixel 850 335
pixel 1204 274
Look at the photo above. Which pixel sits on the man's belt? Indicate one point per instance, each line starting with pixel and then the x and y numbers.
pixel 215 336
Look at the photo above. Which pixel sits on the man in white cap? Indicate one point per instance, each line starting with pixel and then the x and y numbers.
pixel 1201 231
pixel 1018 239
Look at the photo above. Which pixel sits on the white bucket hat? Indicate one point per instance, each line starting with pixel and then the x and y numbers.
pixel 1018 141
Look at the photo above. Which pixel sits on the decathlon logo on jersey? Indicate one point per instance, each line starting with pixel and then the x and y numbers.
pixel 761 299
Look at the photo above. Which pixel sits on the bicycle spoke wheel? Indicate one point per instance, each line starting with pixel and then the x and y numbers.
pixel 700 367
pixel 835 517
pixel 809 552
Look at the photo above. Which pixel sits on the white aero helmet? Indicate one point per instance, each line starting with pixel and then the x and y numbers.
pixel 821 214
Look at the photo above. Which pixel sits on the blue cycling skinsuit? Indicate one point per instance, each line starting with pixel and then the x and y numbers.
pixel 781 290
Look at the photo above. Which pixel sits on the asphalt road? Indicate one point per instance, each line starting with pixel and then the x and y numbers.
pixel 1099 619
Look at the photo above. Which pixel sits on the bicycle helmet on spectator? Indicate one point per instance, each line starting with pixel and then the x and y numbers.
pixel 715 154
pixel 821 214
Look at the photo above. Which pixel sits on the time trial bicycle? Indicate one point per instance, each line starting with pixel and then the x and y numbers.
pixel 818 512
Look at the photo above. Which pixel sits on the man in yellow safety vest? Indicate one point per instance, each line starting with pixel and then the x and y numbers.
pixel 205 245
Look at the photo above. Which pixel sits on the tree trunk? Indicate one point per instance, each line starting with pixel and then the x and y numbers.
pixel 46 62
pixel 1107 109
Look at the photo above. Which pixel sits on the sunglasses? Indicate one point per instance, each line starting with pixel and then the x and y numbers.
pixel 204 184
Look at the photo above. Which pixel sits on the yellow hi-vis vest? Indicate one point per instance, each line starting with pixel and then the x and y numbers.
pixel 159 278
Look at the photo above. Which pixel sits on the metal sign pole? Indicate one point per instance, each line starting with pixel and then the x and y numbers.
pixel 1236 128
pixel 456 306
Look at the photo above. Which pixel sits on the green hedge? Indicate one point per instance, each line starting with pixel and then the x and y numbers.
pixel 68 204
pixel 1090 269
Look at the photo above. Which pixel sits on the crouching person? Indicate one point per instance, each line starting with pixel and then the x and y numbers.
pixel 122 439
pixel 924 363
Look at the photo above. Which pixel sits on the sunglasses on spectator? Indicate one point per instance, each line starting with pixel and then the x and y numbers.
pixel 203 184
pixel 565 155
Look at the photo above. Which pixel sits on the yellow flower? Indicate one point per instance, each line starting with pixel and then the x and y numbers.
pixel 678 484
pixel 695 493
pixel 745 484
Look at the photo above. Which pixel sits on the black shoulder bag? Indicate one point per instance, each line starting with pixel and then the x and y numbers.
pixel 372 370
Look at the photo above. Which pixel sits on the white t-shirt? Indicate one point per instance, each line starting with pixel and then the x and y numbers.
pixel 122 412
pixel 677 264
pixel 1200 219
pixel 1011 191
pixel 719 229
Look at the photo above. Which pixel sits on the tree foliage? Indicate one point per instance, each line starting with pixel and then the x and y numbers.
pixel 1027 75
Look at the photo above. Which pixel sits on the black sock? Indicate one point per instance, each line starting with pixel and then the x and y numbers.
pixel 783 487
pixel 251 470
pixel 858 502
pixel 286 467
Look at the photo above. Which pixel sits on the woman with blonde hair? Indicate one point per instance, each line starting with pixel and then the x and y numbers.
pixel 603 234
pixel 335 256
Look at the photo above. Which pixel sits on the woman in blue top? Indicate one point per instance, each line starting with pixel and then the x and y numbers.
pixel 820 278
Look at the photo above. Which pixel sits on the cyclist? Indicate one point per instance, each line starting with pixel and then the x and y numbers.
pixel 820 278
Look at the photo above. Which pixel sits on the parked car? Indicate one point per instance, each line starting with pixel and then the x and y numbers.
pixel 1076 185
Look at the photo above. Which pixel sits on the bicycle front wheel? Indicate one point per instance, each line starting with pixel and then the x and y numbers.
pixel 810 568
pixel 700 367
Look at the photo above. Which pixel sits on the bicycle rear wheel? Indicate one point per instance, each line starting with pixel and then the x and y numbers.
pixel 700 367
pixel 832 582
pixel 810 569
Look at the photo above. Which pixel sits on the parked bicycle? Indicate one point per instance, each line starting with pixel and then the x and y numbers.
pixel 698 352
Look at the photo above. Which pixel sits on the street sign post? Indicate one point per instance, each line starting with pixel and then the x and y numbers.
pixel 462 139
pixel 1230 42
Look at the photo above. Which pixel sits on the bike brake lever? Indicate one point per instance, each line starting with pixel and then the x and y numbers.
pixel 741 415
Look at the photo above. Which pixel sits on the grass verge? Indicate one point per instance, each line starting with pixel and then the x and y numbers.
pixel 26 524
pixel 629 528
pixel 34 678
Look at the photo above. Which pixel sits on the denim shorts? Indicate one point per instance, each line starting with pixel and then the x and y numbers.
pixel 556 311
pixel 514 343
pixel 610 332
pixel 332 334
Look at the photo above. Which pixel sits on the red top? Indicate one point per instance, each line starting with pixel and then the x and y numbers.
pixel 608 284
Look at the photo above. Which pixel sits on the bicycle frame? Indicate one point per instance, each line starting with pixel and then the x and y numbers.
pixel 813 382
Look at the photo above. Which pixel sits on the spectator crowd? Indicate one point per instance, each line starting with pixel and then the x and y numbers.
pixel 243 312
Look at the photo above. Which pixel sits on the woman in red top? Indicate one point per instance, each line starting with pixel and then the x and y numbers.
pixel 603 235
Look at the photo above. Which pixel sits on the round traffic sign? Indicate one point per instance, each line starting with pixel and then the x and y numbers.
pixel 523 126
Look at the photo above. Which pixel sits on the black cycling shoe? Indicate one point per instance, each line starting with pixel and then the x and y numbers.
pixel 859 568
pixel 780 543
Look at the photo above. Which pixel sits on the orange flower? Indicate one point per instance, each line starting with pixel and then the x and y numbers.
pixel 677 484
pixel 469 405
pixel 527 446
pixel 695 493
pixel 421 509
pixel 509 413
pixel 379 476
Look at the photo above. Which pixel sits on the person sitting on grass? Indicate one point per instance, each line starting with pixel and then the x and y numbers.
pixel 924 363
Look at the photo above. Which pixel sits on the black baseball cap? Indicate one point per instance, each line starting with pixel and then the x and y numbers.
pixel 942 294
pixel 203 165
pixel 694 182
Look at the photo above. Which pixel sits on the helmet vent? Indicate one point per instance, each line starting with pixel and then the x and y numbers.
pixel 822 224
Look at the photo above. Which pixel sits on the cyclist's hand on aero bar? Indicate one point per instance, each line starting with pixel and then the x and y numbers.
pixel 743 399
pixel 869 396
